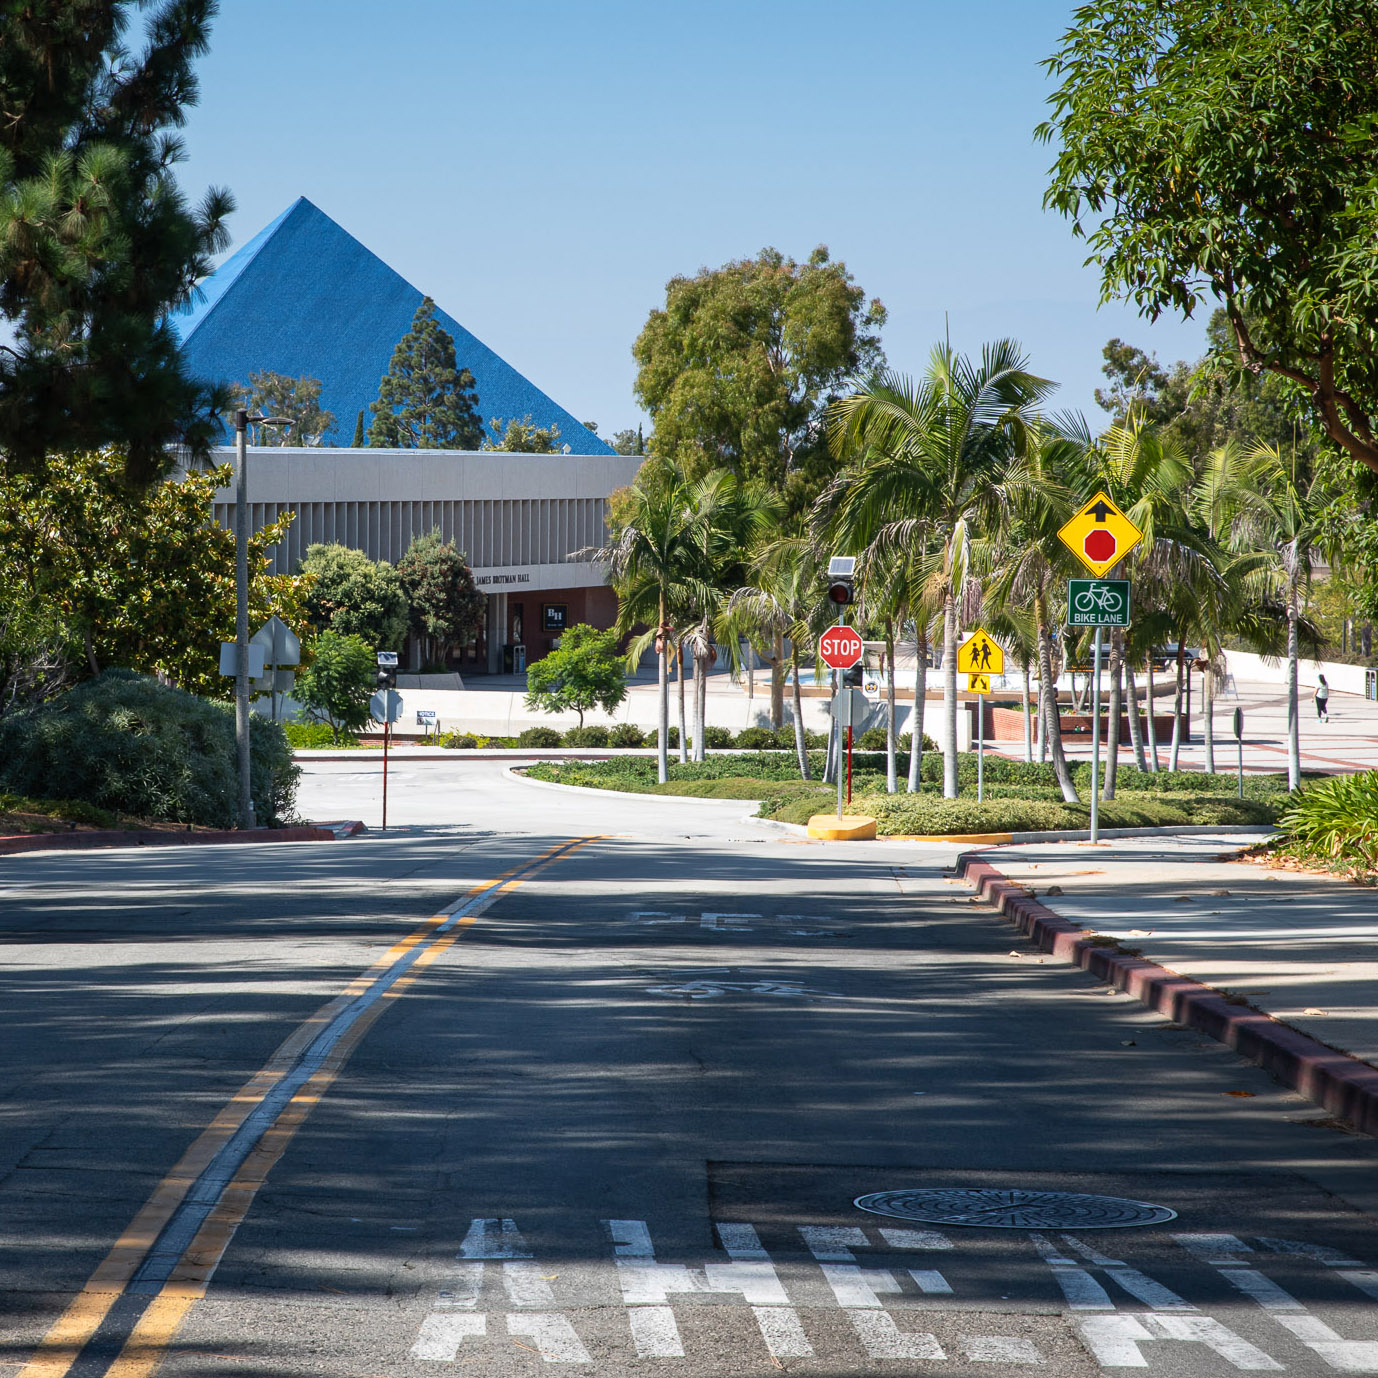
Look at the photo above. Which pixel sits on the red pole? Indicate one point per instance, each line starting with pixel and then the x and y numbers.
pixel 387 727
pixel 849 761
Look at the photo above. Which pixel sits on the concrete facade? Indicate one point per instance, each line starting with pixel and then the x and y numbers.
pixel 521 521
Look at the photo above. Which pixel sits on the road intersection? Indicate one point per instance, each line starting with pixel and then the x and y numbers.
pixel 615 1116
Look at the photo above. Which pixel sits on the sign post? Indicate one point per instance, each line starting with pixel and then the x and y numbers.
pixel 980 684
pixel 979 657
pixel 1239 742
pixel 840 648
pixel 1100 536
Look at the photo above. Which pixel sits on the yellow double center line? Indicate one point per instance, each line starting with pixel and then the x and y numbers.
pixel 173 1245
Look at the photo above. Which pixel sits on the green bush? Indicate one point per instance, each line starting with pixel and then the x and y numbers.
pixel 539 736
pixel 907 738
pixel 815 741
pixel 873 739
pixel 312 735
pixel 593 735
pixel 717 738
pixel 125 743
pixel 459 741
pixel 68 810
pixel 626 734
pixel 1337 818
pixel 671 737
pixel 759 739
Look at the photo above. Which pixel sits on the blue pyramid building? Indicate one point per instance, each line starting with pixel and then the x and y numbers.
pixel 306 299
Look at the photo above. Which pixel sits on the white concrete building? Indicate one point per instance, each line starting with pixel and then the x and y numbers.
pixel 520 520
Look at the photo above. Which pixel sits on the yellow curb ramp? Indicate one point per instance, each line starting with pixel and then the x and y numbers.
pixel 828 827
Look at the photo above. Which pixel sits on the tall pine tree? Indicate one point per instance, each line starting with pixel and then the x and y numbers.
pixel 97 244
pixel 425 401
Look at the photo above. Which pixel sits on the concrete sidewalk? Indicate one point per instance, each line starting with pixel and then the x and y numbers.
pixel 1299 949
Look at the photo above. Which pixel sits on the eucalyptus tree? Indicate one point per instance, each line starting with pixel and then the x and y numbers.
pixel 935 456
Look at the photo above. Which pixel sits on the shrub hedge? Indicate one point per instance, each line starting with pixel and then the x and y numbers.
pixel 125 743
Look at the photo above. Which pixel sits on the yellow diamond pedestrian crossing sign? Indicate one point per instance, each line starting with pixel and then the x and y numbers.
pixel 1100 535
pixel 979 654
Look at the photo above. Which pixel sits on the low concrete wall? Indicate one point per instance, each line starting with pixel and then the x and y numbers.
pixel 1007 724
pixel 1344 679
pixel 503 713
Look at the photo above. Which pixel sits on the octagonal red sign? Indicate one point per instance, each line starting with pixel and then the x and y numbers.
pixel 839 647
pixel 1100 545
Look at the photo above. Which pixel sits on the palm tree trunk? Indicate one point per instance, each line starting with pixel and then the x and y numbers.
pixel 663 686
pixel 891 781
pixel 1152 720
pixel 777 683
pixel 1047 698
pixel 920 699
pixel 1293 707
pixel 700 703
pixel 1112 734
pixel 679 676
pixel 1040 724
pixel 1028 721
pixel 1208 711
pixel 1177 712
pixel 800 747
pixel 950 695
pixel 1136 727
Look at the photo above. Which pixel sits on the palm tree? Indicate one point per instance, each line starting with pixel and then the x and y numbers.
pixel 934 457
pixel 655 565
pixel 1277 514
pixel 1148 477
pixel 785 603
pixel 1026 566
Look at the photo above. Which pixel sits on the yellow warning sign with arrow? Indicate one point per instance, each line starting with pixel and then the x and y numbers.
pixel 980 654
pixel 978 684
pixel 1100 535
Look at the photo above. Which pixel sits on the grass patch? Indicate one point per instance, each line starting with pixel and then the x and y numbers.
pixel 1020 797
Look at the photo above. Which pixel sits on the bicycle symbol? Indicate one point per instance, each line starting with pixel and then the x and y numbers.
pixel 1099 598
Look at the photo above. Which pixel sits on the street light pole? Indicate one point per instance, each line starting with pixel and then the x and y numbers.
pixel 242 420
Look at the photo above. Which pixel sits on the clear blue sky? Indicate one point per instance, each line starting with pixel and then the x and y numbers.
pixel 543 167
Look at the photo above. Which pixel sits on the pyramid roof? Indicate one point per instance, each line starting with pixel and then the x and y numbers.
pixel 305 298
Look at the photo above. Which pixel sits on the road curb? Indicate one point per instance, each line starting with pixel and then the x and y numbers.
pixel 1342 1084
pixel 515 772
pixel 115 837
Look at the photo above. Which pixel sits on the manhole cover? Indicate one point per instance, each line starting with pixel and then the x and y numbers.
pixel 1015 1210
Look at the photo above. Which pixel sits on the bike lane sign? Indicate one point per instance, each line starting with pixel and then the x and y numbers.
pixel 1098 602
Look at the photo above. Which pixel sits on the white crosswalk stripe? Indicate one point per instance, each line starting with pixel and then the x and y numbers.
pixel 551 1334
pixel 883 1310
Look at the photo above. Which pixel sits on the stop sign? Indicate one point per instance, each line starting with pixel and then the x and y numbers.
pixel 839 648
pixel 1100 545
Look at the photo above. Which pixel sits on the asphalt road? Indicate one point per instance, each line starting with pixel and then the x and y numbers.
pixel 469 1096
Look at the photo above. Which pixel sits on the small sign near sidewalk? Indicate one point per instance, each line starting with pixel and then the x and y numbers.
pixel 980 654
pixel 978 684
pixel 1098 602
pixel 840 648
pixel 1100 535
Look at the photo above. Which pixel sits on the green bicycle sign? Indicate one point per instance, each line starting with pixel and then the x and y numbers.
pixel 1098 602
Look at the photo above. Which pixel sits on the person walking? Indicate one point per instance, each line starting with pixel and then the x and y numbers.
pixel 1322 697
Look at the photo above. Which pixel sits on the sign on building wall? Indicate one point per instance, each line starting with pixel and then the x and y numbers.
pixel 554 617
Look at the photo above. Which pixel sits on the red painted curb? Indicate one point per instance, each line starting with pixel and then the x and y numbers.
pixel 1344 1085
pixel 61 842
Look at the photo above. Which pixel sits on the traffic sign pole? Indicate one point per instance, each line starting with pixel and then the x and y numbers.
pixel 980 749
pixel 1095 743
pixel 837 723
